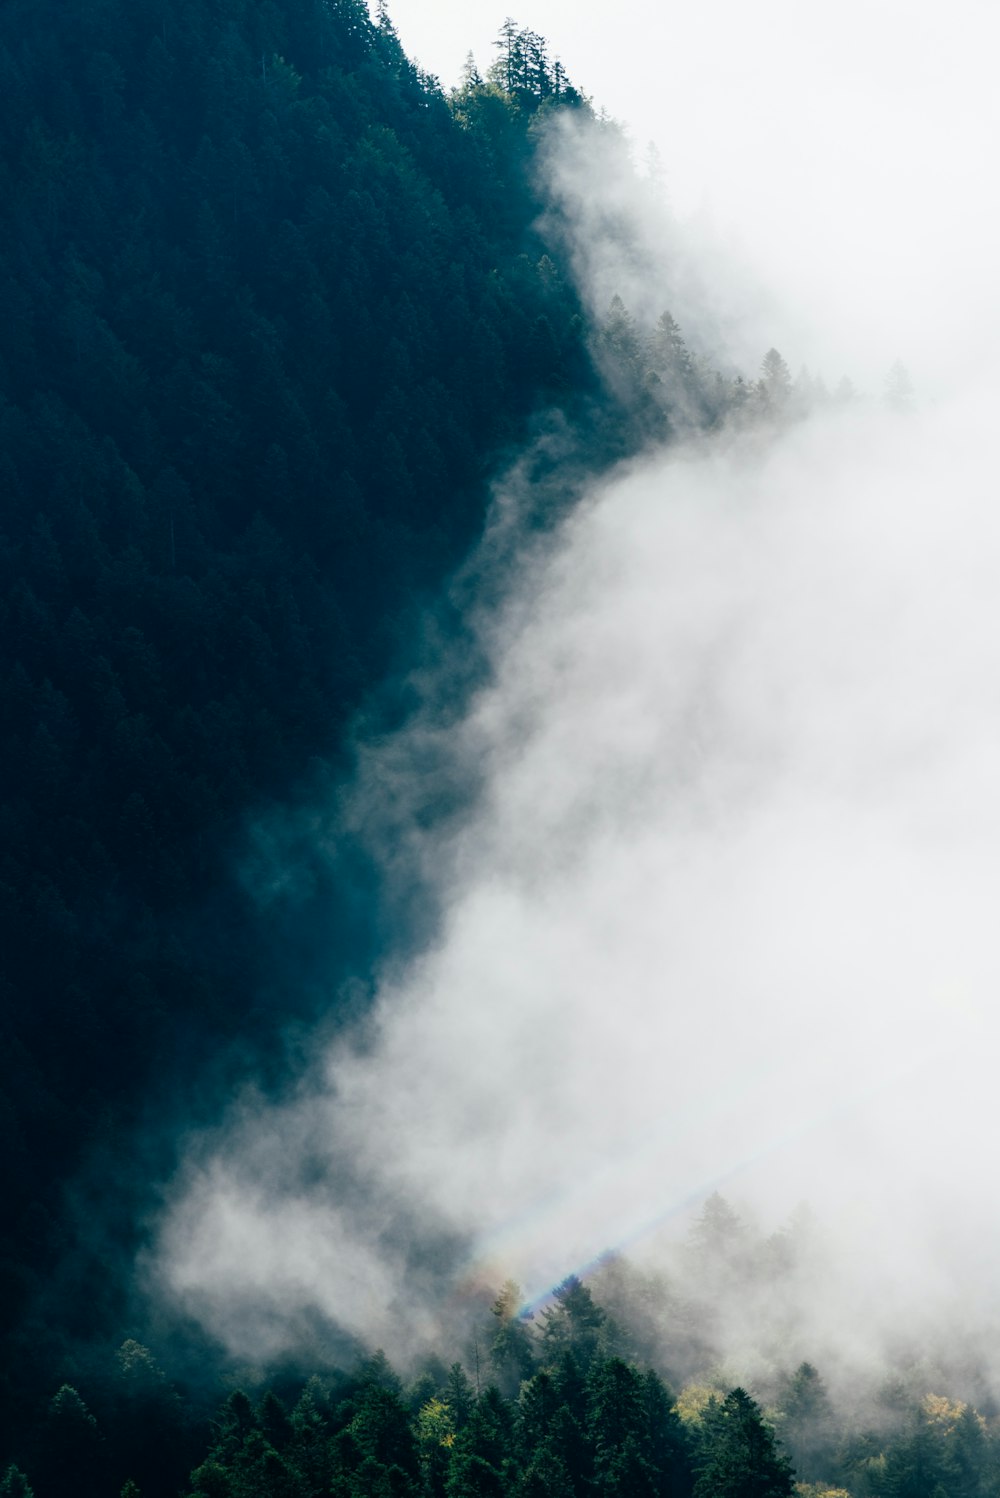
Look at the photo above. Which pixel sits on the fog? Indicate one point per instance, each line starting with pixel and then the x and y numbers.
pixel 840 156
pixel 719 913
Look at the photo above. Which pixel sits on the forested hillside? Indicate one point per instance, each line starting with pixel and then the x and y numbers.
pixel 550 1405
pixel 273 311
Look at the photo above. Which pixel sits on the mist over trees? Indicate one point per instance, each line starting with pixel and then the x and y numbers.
pixel 560 1401
pixel 276 309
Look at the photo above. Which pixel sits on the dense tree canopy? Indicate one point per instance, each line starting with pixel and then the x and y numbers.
pixel 615 1432
pixel 274 309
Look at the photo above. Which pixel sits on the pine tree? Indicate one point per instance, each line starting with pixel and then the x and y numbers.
pixel 739 1455
pixel 537 1405
pixel 511 1351
pixel 809 1423
pixel 916 1464
pixel 482 1451
pixel 545 1476
pixel 669 1447
pixel 617 1411
pixel 968 1455
pixel 459 1395
pixel 573 1323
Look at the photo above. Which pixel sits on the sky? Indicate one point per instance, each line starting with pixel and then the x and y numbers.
pixel 842 156
pixel 722 914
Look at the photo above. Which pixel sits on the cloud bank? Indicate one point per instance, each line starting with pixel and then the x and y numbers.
pixel 718 910
pixel 723 912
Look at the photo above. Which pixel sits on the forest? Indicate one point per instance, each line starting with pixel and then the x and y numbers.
pixel 566 1401
pixel 275 311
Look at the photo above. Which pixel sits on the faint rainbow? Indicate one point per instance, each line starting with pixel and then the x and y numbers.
pixel 502 1246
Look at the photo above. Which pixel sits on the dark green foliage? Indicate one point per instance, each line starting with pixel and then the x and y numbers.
pixel 483 1450
pixel 273 311
pixel 545 1476
pixel 374 1445
pixel 490 1429
pixel 739 1456
pixel 636 1438
pixel 381 1429
pixel 309 1449
pixel 537 1405
pixel 617 1411
pixel 522 67
pixel 459 1395
pixel 915 1465
pixel 572 1324
pixel 472 1476
pixel 968 1456
pixel 511 1352
pixel 15 1485
pixel 569 1444
pixel 669 1444
pixel 614 1434
pixel 379 1372
pixel 274 1421
pixel 571 1387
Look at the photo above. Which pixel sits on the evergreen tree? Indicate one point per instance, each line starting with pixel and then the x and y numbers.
pixel 572 1324
pixel 537 1404
pixel 434 1429
pixel 481 1456
pixel 669 1449
pixel 545 1476
pixel 739 1456
pixel 809 1424
pixel 381 1428
pixel 274 1421
pixel 511 1351
pixel 617 1411
pixel 459 1395
pixel 916 1464
pixel 968 1455
pixel 309 1449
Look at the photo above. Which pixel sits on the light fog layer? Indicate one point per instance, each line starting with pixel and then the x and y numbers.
pixel 724 914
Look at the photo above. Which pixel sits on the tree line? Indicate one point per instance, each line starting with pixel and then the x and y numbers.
pixel 546 1406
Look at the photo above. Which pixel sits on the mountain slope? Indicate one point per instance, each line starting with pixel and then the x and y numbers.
pixel 273 311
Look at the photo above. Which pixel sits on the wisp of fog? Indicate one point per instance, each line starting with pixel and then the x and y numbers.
pixel 721 916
